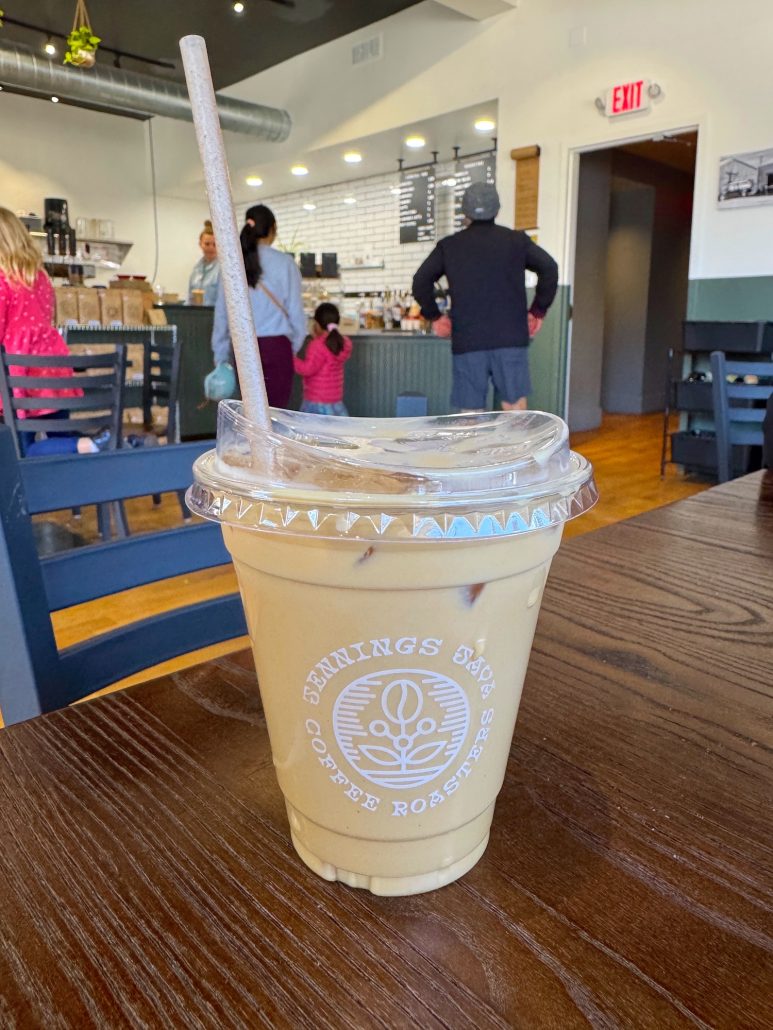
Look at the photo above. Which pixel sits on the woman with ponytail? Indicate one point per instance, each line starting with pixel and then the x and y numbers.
pixel 322 370
pixel 274 282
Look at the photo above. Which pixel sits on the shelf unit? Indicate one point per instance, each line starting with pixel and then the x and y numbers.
pixel 93 254
pixel 694 445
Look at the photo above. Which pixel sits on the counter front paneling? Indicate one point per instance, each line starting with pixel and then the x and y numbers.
pixel 198 417
pixel 384 365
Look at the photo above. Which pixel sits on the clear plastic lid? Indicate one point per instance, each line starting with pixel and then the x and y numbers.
pixel 447 477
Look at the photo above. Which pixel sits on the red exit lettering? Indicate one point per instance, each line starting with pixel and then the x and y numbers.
pixel 628 96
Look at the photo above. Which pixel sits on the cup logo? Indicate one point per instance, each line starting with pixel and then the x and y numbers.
pixel 401 728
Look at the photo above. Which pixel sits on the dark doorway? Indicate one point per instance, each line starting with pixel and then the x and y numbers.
pixel 634 216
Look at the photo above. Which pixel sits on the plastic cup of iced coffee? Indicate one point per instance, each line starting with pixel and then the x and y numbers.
pixel 391 572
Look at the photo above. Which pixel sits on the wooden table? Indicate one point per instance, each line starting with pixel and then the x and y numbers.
pixel 148 880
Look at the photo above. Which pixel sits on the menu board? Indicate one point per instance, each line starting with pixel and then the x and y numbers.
pixel 417 205
pixel 480 168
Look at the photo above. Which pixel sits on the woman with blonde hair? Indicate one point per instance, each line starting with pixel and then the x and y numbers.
pixel 26 327
pixel 205 276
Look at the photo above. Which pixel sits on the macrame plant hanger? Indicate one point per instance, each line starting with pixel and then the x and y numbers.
pixel 82 41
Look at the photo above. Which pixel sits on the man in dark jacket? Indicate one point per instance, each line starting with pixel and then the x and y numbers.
pixel 490 325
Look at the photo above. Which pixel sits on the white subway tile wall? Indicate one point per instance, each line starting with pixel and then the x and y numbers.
pixel 361 234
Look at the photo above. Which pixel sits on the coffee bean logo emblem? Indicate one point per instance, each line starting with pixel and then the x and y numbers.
pixel 403 727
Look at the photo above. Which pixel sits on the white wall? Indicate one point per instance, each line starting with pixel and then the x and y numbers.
pixel 712 62
pixel 100 164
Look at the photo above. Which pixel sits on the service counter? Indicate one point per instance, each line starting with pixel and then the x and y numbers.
pixel 383 365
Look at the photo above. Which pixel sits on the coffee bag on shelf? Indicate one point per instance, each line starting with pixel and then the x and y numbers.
pixel 111 305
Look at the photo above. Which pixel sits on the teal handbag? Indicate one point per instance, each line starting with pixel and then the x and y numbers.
pixel 220 384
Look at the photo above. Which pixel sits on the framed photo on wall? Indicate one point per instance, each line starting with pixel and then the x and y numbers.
pixel 746 179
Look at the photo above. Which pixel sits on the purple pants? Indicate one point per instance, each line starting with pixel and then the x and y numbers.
pixel 276 357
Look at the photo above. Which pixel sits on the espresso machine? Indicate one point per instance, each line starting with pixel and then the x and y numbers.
pixel 60 237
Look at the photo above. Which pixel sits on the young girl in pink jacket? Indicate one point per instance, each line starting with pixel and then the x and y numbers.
pixel 322 370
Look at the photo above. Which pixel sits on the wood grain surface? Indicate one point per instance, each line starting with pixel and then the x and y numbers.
pixel 148 878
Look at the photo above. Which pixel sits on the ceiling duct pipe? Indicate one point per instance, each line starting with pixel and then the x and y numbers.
pixel 128 93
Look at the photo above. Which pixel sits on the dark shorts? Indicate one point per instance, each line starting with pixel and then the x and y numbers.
pixel 506 367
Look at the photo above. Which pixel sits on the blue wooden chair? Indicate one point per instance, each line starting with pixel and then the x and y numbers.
pixel 100 378
pixel 737 419
pixel 35 676
pixel 161 384
pixel 160 388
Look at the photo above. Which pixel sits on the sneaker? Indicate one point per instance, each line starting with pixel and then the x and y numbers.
pixel 102 440
pixel 134 440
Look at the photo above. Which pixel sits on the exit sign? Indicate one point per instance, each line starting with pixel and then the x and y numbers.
pixel 627 97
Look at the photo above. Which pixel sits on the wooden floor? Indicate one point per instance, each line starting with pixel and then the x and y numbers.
pixel 625 453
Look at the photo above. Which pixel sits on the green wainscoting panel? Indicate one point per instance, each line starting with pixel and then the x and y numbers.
pixel 548 353
pixel 198 418
pixel 749 298
pixel 383 365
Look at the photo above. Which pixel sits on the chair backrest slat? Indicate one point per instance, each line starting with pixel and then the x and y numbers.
pixel 735 424
pixel 85 573
pixel 71 482
pixel 101 379
pixel 99 400
pixel 746 436
pixel 162 379
pixel 747 368
pixel 736 415
pixel 748 391
pixel 123 652
pixel 88 426
pixel 75 361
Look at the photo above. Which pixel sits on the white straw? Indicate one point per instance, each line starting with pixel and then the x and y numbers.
pixel 229 252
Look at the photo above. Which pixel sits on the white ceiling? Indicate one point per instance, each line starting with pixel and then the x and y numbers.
pixel 380 152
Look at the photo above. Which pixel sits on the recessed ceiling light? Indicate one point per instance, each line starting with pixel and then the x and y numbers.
pixel 350 200
pixel 352 157
pixel 254 180
pixel 299 170
pixel 238 7
pixel 50 47
pixel 395 191
pixel 485 125
pixel 415 142
pixel 309 207
pixel 54 100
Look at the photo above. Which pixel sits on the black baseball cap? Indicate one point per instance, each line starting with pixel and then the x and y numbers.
pixel 480 202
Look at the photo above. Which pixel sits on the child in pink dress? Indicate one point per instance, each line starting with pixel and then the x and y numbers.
pixel 322 370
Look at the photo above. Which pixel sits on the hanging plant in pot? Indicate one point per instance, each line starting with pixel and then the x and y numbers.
pixel 81 43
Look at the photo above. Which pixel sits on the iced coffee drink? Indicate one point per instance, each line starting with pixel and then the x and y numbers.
pixel 391 573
